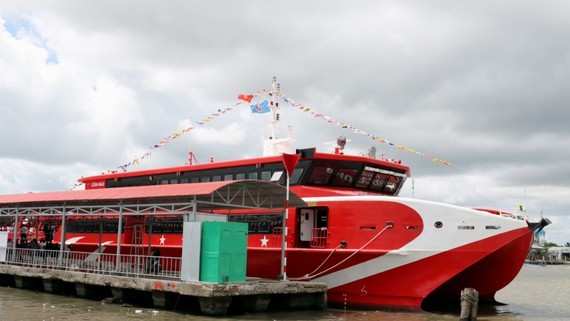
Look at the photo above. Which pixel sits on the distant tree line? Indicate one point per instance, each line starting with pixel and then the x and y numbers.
pixel 552 244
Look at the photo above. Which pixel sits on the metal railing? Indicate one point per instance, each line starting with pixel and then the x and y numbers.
pixel 319 237
pixel 93 262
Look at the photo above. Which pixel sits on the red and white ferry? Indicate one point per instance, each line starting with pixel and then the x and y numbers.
pixel 371 247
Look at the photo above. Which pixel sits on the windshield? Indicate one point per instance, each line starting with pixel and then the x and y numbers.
pixel 354 174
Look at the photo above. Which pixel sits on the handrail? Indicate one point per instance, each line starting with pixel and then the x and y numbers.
pixel 319 237
pixel 93 262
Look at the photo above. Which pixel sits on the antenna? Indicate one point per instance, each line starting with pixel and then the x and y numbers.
pixel 413 186
pixel 192 158
pixel 371 152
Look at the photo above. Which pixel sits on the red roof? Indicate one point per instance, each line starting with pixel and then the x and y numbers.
pixel 158 193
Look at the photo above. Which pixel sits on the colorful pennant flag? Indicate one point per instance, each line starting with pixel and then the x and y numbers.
pixel 137 160
pixel 260 108
pixel 263 107
pixel 247 98
pixel 330 120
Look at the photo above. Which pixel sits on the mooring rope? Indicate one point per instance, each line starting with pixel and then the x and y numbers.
pixel 312 275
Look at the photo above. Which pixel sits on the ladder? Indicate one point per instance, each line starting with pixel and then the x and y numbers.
pixel 136 243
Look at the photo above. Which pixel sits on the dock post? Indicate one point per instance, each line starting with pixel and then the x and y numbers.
pixel 469 303
pixel 214 306
pixel 53 286
pixel 256 303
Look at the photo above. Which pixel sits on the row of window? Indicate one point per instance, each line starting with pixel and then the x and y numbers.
pixel 321 172
pixel 263 176
pixel 258 224
pixel 93 226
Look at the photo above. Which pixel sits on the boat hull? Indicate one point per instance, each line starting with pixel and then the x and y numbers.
pixel 487 266
pixel 401 253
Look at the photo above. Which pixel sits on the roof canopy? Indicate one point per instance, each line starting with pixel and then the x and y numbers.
pixel 208 196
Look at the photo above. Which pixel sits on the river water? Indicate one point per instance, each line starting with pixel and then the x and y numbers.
pixel 538 293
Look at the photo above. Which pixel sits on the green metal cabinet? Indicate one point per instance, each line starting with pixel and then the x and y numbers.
pixel 223 255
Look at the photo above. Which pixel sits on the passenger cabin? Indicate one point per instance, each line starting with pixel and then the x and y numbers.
pixel 322 172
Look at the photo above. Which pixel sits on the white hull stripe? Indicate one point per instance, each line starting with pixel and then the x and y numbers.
pixel 430 242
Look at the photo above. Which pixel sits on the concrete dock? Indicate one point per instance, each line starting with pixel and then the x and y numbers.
pixel 254 295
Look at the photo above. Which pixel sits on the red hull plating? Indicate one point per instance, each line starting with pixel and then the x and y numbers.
pixel 440 276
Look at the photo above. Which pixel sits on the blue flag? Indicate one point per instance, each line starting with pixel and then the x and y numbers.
pixel 260 108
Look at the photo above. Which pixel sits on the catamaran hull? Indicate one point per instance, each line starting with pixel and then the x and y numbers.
pixel 487 266
pixel 401 253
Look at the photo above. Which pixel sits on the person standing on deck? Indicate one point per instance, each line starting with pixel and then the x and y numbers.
pixel 24 234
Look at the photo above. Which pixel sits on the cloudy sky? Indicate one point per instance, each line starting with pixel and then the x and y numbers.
pixel 87 86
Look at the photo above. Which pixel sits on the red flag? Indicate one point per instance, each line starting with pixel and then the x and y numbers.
pixel 290 161
pixel 247 98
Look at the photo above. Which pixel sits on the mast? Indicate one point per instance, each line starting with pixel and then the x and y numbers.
pixel 274 92
pixel 276 146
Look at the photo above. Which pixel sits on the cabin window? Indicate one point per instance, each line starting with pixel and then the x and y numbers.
pixel 266 175
pixel 205 178
pixel 164 182
pixel 278 177
pixel 240 176
pixel 320 175
pixel 259 224
pixel 166 225
pixel 194 179
pixel 183 180
pixel 84 225
pixel 216 178
pixel 174 181
pixel 252 175
pixel 229 177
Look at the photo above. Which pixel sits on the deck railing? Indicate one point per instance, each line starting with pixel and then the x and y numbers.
pixel 319 237
pixel 94 262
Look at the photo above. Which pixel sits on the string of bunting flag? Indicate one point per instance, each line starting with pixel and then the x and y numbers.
pixel 136 161
pixel 263 107
pixel 330 120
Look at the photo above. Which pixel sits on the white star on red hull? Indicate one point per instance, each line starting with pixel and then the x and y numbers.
pixel 264 241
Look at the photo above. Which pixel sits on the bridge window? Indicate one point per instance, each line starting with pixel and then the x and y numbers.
pixel 365 179
pixel 297 174
pixel 392 184
pixel 379 181
pixel 321 175
pixel 344 177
